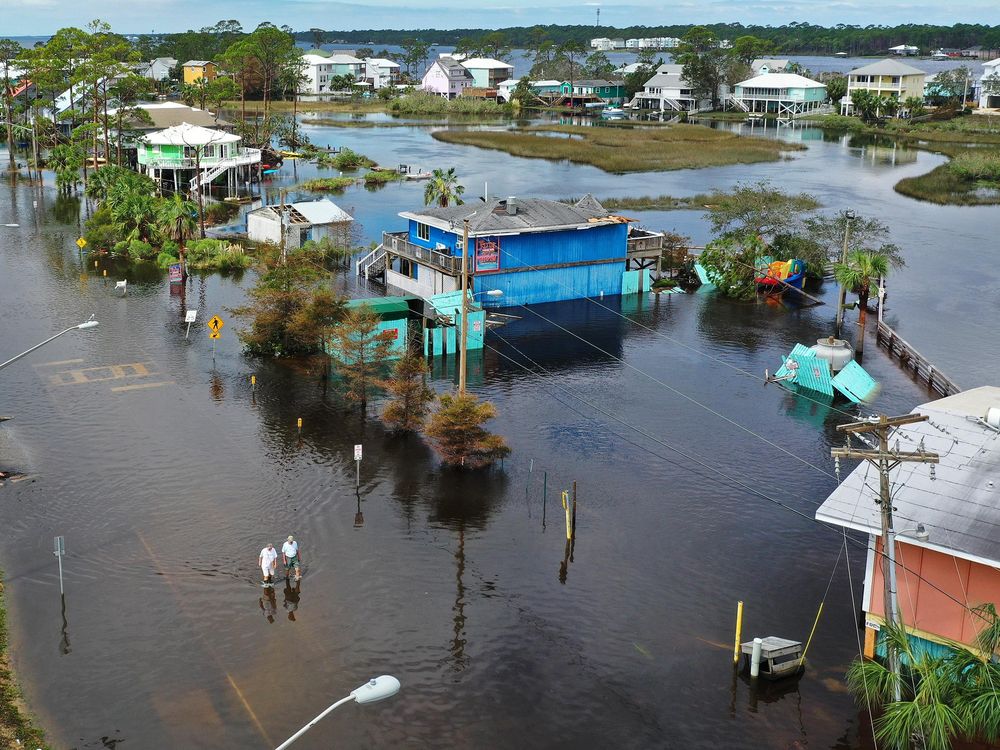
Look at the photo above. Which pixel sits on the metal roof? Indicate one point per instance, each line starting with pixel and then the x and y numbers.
pixel 168 114
pixel 887 68
pixel 486 63
pixel 187 134
pixel 771 63
pixel 493 216
pixel 384 306
pixel 323 211
pixel 782 81
pixel 197 63
pixel 960 506
pixel 452 68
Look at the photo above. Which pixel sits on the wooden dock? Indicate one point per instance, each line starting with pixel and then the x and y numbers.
pixel 912 360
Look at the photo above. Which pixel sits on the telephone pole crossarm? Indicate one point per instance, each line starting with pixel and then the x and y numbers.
pixel 875 425
pixel 897 456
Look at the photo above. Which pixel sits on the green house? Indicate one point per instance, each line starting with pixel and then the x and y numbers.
pixel 394 314
pixel 610 92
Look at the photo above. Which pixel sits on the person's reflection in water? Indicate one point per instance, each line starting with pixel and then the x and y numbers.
pixel 268 604
pixel 292 597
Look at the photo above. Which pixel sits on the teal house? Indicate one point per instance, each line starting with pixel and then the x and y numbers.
pixel 394 314
pixel 593 90
pixel 782 94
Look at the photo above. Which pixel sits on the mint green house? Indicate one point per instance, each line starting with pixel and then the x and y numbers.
pixel 783 94
pixel 610 92
pixel 191 157
pixel 394 316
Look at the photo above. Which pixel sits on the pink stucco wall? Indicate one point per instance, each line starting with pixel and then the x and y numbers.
pixel 925 602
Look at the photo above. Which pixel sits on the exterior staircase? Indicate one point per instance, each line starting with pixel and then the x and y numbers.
pixel 738 103
pixel 373 264
pixel 206 177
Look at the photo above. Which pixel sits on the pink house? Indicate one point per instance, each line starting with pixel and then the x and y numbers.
pixel 446 77
pixel 946 522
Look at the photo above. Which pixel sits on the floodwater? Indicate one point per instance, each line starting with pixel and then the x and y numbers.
pixel 166 473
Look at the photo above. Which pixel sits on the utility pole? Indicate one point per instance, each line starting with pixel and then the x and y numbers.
pixel 885 461
pixel 463 346
pixel 848 218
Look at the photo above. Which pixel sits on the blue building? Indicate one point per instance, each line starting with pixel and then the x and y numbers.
pixel 532 250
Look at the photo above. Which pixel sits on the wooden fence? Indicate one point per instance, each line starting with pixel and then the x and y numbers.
pixel 913 360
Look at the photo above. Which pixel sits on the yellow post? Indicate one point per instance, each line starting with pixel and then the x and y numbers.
pixel 569 527
pixel 95 264
pixel 300 424
pixel 253 384
pixel 739 632
pixel 105 272
pixel 811 634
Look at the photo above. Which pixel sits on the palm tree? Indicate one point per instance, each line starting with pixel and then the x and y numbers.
pixel 942 697
pixel 861 274
pixel 443 189
pixel 177 222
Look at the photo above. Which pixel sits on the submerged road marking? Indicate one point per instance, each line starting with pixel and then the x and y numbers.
pixel 59 362
pixel 249 710
pixel 97 374
pixel 140 386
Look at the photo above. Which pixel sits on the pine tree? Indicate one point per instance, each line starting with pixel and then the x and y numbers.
pixel 411 397
pixel 362 350
pixel 457 433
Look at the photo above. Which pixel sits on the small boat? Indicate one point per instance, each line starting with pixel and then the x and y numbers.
pixel 840 54
pixel 594 105
pixel 771 274
pixel 269 171
pixel 612 112
pixel 418 175
pixel 939 55
pixel 291 154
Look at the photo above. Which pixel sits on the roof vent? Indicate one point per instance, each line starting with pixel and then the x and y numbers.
pixel 511 206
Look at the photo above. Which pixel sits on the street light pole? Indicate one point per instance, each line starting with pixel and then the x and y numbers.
pixel 463 346
pixel 89 324
pixel 376 689
pixel 848 218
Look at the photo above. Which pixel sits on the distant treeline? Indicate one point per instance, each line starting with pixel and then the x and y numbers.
pixel 793 37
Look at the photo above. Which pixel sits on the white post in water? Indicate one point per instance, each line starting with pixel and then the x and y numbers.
pixel 59 551
pixel 357 465
pixel 755 658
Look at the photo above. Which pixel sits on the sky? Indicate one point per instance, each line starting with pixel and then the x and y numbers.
pixel 42 17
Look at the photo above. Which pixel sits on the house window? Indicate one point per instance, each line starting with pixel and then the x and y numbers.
pixel 423 232
pixel 405 267
pixel 895 79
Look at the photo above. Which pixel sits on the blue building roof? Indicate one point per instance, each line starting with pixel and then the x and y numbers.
pixel 516 216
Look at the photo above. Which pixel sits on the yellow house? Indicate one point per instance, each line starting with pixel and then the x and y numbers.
pixel 195 69
pixel 884 78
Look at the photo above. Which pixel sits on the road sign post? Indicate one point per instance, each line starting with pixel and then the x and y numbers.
pixel 81 243
pixel 189 317
pixel 357 465
pixel 214 327
pixel 59 544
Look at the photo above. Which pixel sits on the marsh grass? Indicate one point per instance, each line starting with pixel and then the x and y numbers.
pixel 619 150
pixel 327 184
pixel 659 202
pixel 944 186
pixel 16 727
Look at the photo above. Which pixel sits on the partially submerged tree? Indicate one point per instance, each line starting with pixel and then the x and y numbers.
pixel 758 209
pixel 9 51
pixel 861 274
pixel 362 351
pixel 456 431
pixel 866 234
pixel 731 264
pixel 411 396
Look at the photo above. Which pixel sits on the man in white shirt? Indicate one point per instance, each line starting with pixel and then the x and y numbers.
pixel 290 555
pixel 267 559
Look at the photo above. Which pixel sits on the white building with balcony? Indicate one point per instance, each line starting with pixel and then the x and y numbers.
pixel 381 73
pixel 189 157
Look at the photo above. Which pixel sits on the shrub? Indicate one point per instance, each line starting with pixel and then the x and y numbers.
pixel 165 259
pixel 139 250
pixel 220 213
pixel 977 166
pixel 327 184
pixel 347 159
pixel 381 177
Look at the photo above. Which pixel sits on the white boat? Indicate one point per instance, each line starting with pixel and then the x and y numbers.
pixel 612 112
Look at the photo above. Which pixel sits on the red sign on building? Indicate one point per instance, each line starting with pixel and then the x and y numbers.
pixel 487 255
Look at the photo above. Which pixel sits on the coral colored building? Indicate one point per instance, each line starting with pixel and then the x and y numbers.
pixel 955 566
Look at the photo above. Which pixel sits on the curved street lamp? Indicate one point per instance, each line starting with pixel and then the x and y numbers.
pixel 376 689
pixel 91 323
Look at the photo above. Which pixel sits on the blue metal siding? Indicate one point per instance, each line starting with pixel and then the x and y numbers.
pixel 572 246
pixel 437 236
pixel 551 285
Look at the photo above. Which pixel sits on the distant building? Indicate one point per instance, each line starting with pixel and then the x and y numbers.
pixel 768 65
pixel 381 73
pixel 447 77
pixel 989 84
pixel 601 44
pixel 317 70
pixel 904 50
pixel 947 549
pixel 346 64
pixel 539 88
pixel 193 70
pixel 487 73
pixel 782 94
pixel 158 69
pixel 533 250
pixel 667 90
pixel 884 78
pixel 617 44
pixel 631 44
pixel 299 222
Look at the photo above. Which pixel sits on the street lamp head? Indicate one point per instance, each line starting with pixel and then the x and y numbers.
pixel 921 533
pixel 495 293
pixel 849 214
pixel 88 324
pixel 376 689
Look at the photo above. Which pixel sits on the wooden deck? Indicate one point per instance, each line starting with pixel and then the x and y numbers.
pixel 912 360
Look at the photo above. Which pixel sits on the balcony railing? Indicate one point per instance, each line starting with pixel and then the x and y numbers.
pixel 243 157
pixel 397 244
pixel 643 243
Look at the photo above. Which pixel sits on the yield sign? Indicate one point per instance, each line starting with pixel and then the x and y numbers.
pixel 216 324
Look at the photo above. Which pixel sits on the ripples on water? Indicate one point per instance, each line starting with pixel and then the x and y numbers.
pixel 448 580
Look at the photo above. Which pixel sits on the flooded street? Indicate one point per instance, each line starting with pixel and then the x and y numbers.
pixel 166 473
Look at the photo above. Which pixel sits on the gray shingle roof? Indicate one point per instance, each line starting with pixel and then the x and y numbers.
pixel 887 68
pixel 960 507
pixel 453 68
pixel 531 213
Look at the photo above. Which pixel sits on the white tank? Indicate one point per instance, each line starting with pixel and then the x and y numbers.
pixel 993 417
pixel 835 351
